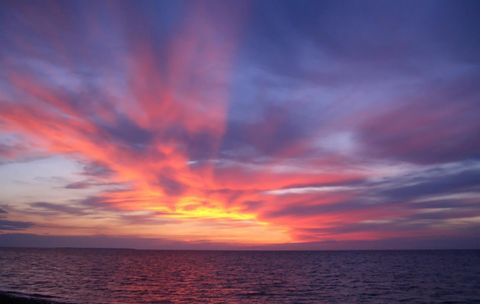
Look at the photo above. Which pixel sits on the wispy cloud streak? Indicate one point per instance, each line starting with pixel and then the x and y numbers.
pixel 246 122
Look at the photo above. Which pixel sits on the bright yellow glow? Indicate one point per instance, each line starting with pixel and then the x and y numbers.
pixel 198 208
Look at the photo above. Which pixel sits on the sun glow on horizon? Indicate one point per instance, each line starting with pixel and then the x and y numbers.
pixel 234 123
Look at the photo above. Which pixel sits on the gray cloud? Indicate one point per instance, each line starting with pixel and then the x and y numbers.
pixel 59 208
pixel 14 225
pixel 439 182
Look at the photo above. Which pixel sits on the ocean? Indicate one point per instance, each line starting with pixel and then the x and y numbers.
pixel 149 276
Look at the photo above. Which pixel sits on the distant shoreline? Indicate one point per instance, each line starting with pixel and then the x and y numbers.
pixel 237 249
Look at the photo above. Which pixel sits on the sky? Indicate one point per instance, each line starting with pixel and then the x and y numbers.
pixel 240 125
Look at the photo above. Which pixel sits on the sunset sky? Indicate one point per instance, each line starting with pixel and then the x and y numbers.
pixel 236 124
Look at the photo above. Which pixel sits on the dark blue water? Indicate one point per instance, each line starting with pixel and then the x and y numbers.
pixel 131 276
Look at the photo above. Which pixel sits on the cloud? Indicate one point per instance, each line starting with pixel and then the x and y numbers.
pixel 96 169
pixel 283 121
pixel 420 202
pixel 436 125
pixel 7 151
pixel 171 186
pixel 103 241
pixel 79 185
pixel 127 134
pixel 100 241
pixel 59 208
pixel 8 225
pixel 275 133
pixel 90 183
pixel 304 209
pixel 394 243
pixel 14 225
pixel 439 182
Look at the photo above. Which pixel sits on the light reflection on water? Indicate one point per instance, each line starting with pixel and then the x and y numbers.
pixel 132 276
